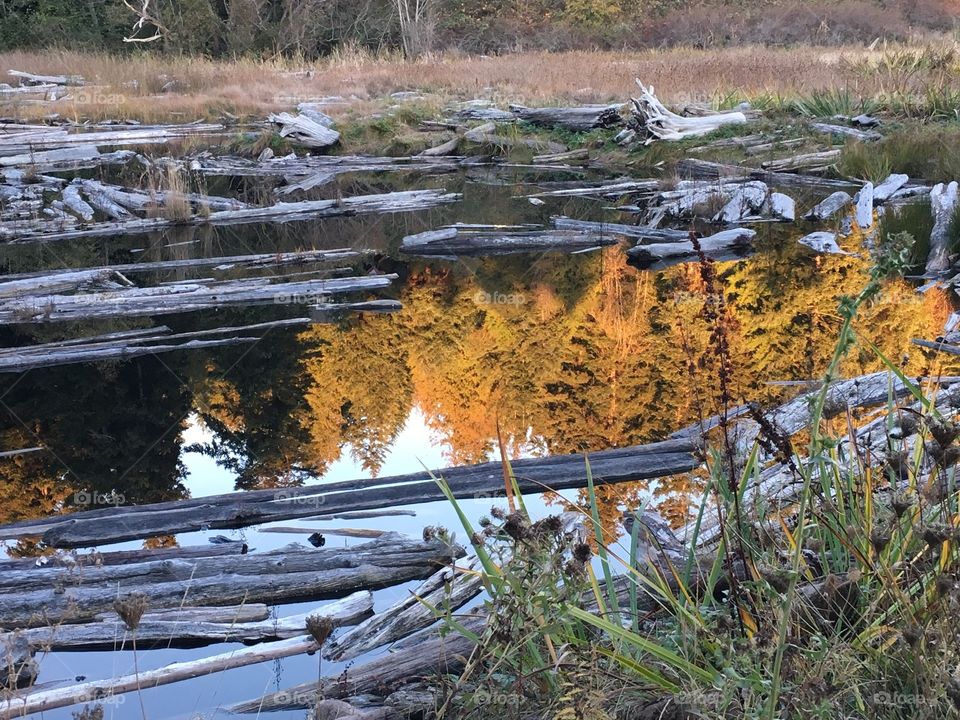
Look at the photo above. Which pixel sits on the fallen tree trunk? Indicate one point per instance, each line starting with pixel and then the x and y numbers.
pixel 183 632
pixel 456 242
pixel 305 130
pixel 436 655
pixel 233 510
pixel 718 246
pixel 407 201
pixel 822 242
pixel 829 206
pixel 218 263
pixel 808 161
pixel 704 169
pixel 449 588
pixel 943 202
pixel 46 79
pixel 889 186
pixel 864 206
pixel 269 577
pixel 576 119
pixel 26 704
pixel 172 299
pixel 639 232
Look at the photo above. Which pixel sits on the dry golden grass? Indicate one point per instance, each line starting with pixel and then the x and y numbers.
pixel 133 87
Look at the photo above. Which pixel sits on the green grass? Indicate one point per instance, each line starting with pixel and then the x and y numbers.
pixel 930 152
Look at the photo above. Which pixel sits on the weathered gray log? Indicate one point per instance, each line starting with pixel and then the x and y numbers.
pixel 605 191
pixel 715 246
pixel 864 206
pixel 781 207
pixel 450 588
pixel 885 190
pixel 939 346
pixel 76 204
pixel 56 354
pixel 73 559
pixel 456 242
pixel 305 130
pixel 807 161
pixel 580 155
pixel 41 597
pixel 390 549
pixel 78 280
pixel 943 202
pixel 46 79
pixel 137 201
pixel 436 655
pixel 577 119
pixel 334 312
pixel 829 206
pixel 255 507
pixel 174 631
pixel 185 297
pixel 407 201
pixel 822 242
pixel 23 704
pixel 446 148
pixel 662 124
pixel 745 200
pixel 244 613
pixel 50 159
pixel 843 130
pixel 58 137
pixel 619 229
pixel 218 263
pixel 704 169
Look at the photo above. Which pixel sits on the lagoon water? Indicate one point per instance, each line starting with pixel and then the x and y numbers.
pixel 565 353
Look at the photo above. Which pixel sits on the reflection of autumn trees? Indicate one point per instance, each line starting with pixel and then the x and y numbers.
pixel 597 354
pixel 361 392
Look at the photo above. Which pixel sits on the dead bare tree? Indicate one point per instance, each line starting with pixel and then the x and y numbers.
pixel 146 17
pixel 416 25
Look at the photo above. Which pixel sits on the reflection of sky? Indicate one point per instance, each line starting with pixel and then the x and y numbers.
pixel 414 448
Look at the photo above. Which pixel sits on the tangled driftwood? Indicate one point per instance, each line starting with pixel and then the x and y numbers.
pixel 662 124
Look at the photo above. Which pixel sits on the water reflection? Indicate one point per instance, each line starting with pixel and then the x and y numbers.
pixel 566 353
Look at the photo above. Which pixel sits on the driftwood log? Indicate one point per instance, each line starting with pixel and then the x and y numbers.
pixel 457 242
pixel 106 525
pixel 662 124
pixel 722 245
pixel 943 202
pixel 578 119
pixel 178 630
pixel 39 598
pixel 21 704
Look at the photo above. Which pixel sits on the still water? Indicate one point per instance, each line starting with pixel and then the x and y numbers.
pixel 565 353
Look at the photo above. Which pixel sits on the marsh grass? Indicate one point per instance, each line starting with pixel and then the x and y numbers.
pixel 931 152
pixel 841 603
pixel 155 88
